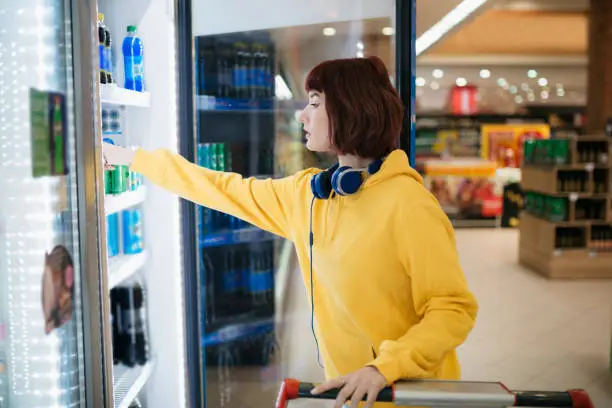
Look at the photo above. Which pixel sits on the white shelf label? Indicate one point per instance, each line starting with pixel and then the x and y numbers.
pixel 589 166
pixel 573 197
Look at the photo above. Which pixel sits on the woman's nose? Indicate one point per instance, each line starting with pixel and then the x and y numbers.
pixel 302 117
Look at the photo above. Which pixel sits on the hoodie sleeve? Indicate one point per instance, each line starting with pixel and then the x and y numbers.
pixel 445 306
pixel 266 203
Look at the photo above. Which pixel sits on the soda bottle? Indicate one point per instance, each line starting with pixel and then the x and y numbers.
pixel 108 57
pixel 101 47
pixel 133 50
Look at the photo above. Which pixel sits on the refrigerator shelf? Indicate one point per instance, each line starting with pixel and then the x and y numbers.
pixel 115 95
pixel 122 267
pixel 119 202
pixel 239 236
pixel 128 382
pixel 237 332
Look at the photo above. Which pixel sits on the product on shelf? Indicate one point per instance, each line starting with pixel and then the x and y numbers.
pixel 216 156
pixel 111 121
pixel 233 68
pixel 570 238
pixel 504 143
pixel 132 231
pixel 130 340
pixel 102 32
pixel 590 209
pixel 601 238
pixel 561 151
pixel 133 51
pixel 108 57
pixel 555 209
pixel 112 235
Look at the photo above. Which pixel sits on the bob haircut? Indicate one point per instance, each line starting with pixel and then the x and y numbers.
pixel 365 112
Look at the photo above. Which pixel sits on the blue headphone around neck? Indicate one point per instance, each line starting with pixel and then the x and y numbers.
pixel 344 180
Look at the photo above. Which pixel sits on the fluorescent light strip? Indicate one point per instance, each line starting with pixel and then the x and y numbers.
pixel 447 23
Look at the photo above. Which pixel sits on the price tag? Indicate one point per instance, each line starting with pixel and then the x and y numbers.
pixel 573 197
pixel 592 254
pixel 589 166
pixel 604 158
pixel 558 252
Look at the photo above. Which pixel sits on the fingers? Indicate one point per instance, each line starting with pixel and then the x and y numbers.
pixel 357 396
pixel 372 394
pixel 344 394
pixel 329 385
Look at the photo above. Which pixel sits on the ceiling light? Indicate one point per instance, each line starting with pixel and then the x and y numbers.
pixel 329 31
pixel 434 85
pixel 518 99
pixel 525 87
pixel 485 73
pixel 420 81
pixel 532 73
pixel 461 81
pixel 542 81
pixel 502 82
pixel 360 45
pixel 531 97
pixel 544 94
pixel 513 89
pixel 359 54
pixel 561 92
pixel 388 31
pixel 437 73
pixel 447 23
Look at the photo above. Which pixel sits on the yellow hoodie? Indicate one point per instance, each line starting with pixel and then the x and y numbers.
pixel 388 287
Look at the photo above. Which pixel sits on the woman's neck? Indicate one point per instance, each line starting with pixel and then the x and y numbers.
pixel 355 162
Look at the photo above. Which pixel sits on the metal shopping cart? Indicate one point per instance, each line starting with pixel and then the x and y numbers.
pixel 449 394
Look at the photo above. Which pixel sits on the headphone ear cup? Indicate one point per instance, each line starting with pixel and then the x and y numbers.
pixel 346 181
pixel 320 184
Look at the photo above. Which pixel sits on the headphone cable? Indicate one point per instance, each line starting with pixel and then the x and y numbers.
pixel 311 239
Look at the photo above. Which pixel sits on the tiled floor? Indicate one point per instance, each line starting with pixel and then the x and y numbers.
pixel 532 333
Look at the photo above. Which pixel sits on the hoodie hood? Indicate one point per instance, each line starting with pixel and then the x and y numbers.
pixel 394 165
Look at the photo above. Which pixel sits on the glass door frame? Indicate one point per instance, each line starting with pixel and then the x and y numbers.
pixel 97 337
pixel 405 70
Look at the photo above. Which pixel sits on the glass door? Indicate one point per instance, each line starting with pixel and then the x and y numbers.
pixel 249 73
pixel 42 354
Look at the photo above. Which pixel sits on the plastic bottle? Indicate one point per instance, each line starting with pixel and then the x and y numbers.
pixel 133 50
pixel 101 47
pixel 108 57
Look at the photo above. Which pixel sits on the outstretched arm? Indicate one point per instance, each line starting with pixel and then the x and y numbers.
pixel 267 204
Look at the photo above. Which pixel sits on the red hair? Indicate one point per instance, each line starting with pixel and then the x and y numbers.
pixel 364 109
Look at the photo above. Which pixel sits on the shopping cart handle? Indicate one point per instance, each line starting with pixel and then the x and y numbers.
pixel 431 393
pixel 293 389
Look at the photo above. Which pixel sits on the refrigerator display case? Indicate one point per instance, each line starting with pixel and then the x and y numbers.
pixel 248 82
pixel 91 293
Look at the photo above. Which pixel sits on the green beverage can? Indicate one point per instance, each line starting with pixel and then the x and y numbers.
pixel 539 199
pixel 119 177
pixel 562 151
pixel 528 150
pixel 221 163
pixel 205 155
pixel 108 183
pixel 214 152
pixel 558 209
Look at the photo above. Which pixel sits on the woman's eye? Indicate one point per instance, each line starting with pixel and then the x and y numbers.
pixel 314 105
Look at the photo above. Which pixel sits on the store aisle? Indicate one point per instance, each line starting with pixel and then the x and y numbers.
pixel 532 333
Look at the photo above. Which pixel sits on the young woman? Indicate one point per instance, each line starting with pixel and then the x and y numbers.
pixel 376 251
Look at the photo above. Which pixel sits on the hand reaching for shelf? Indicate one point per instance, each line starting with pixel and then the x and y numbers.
pixel 116 155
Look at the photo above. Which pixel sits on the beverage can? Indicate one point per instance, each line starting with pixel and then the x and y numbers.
pixel 112 235
pixel 132 231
